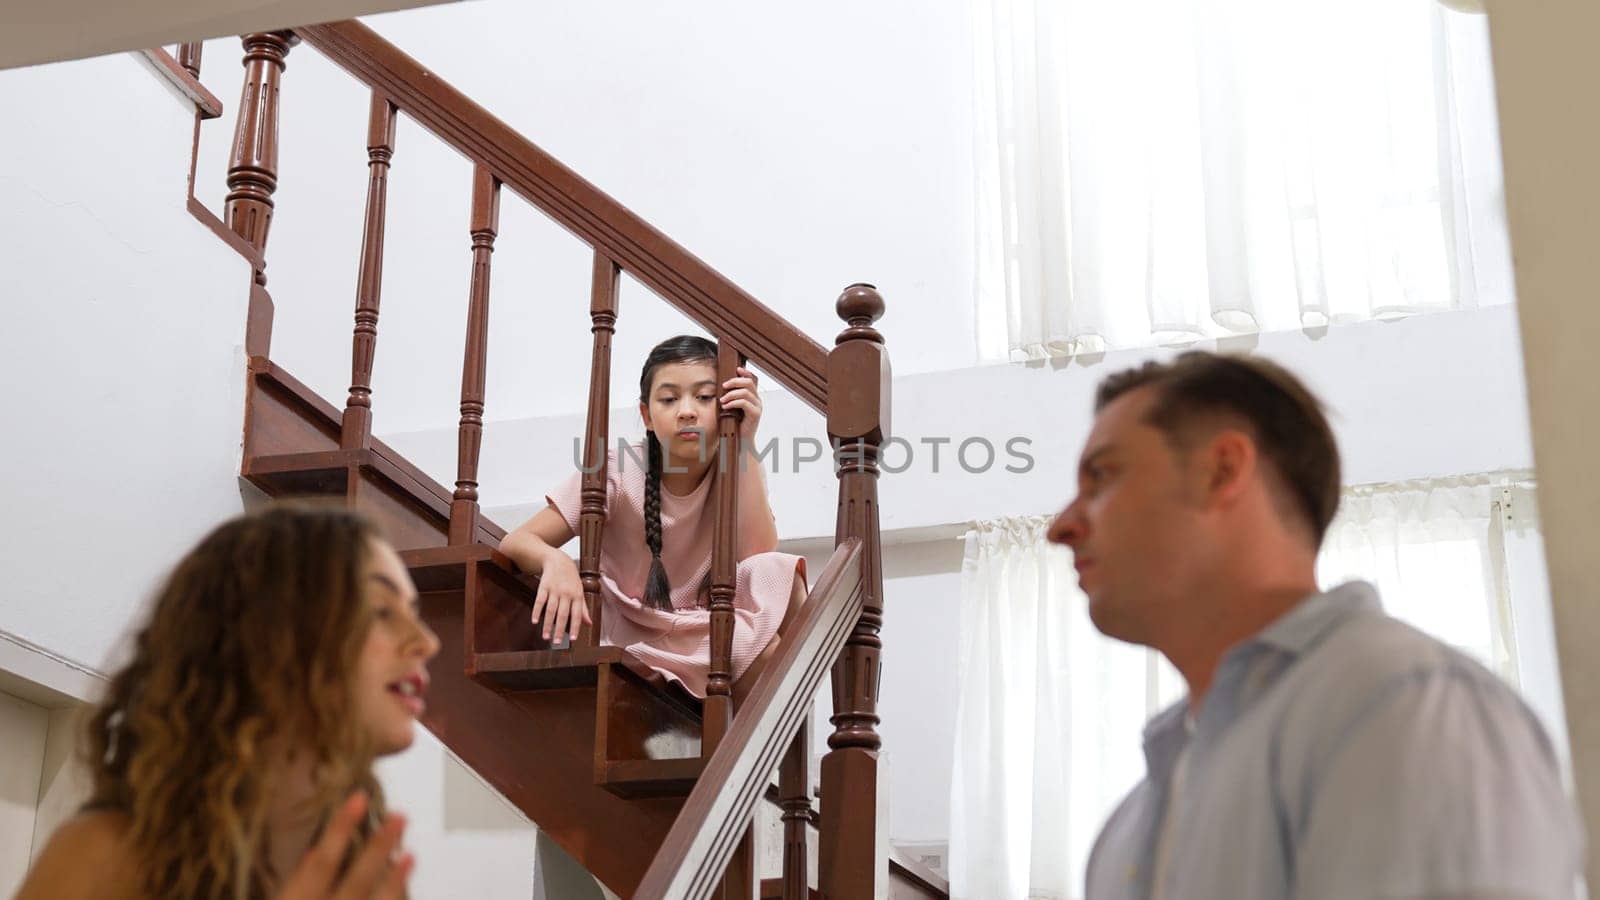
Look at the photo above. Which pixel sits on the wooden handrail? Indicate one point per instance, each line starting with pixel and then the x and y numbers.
pixel 695 854
pixel 705 295
pixel 186 80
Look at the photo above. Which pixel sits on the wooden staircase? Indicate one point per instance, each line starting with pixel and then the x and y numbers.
pixel 648 788
pixel 519 712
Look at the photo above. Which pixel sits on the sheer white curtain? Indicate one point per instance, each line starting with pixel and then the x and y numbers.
pixel 1436 549
pixel 1153 171
pixel 1048 719
pixel 1462 559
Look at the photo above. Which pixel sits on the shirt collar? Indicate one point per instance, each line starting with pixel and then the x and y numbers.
pixel 1297 630
pixel 1165 736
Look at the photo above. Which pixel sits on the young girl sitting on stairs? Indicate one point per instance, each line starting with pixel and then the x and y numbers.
pixel 655 558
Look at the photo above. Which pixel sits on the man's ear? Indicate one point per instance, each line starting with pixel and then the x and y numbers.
pixel 1230 465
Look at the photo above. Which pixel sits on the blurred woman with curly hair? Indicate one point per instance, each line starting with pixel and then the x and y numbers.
pixel 232 756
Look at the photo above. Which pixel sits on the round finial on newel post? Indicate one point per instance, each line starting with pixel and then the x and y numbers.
pixel 859 306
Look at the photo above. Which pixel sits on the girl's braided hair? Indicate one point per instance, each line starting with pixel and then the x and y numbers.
pixel 681 349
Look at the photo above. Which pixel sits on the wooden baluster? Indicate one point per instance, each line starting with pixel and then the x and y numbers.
pixel 852 843
pixel 794 798
pixel 724 563
pixel 474 368
pixel 596 438
pixel 253 167
pixel 189 57
pixel 356 431
pixel 739 883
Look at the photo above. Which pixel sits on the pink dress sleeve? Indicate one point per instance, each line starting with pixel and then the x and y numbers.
pixel 567 499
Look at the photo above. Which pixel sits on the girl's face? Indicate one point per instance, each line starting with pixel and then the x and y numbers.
pixel 392 674
pixel 682 410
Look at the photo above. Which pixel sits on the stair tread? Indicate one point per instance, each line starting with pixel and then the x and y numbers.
pixel 772 889
pixel 651 777
pixel 325 472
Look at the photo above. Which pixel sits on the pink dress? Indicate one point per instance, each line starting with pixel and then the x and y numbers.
pixel 676 643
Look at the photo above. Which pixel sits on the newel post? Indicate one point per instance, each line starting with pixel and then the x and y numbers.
pixel 853 846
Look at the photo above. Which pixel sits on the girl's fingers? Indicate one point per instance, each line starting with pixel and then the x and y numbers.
pixel 741 400
pixel 539 602
pixel 563 610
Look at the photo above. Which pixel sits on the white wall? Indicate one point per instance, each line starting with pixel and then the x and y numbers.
pixel 23 726
pixel 470 842
pixel 64 783
pixel 121 352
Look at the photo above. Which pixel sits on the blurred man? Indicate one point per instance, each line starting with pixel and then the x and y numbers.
pixel 1325 750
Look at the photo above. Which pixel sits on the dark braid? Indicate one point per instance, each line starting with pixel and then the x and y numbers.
pixel 683 348
pixel 658 589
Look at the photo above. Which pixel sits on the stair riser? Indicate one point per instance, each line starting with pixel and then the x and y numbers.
pixel 537 748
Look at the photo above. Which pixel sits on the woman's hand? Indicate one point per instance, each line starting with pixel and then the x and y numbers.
pixel 560 598
pixel 377 873
pixel 739 392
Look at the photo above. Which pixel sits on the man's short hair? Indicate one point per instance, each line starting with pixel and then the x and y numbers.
pixel 1284 418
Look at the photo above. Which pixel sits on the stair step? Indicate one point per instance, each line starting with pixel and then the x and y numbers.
pixel 638 778
pixel 772 889
pixel 414 509
pixel 507 651
pixel 531 670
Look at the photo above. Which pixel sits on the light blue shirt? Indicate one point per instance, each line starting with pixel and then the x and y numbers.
pixel 1341 754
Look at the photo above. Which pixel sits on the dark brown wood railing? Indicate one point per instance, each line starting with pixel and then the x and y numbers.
pixel 592 516
pixel 691 861
pixel 475 364
pixel 850 385
pixel 183 72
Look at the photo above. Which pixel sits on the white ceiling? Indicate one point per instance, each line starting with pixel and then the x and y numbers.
pixel 39 31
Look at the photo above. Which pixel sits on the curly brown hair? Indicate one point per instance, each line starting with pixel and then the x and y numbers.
pixel 248 655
